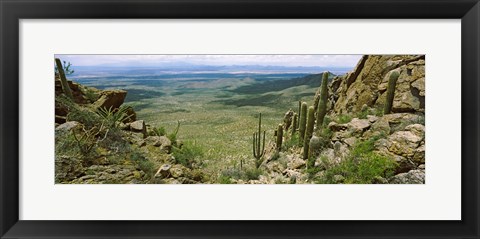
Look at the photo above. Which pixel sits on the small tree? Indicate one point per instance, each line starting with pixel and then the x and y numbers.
pixel 67 68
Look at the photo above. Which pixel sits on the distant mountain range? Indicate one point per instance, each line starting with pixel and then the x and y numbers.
pixel 185 68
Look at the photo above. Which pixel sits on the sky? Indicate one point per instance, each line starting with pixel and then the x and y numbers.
pixel 213 60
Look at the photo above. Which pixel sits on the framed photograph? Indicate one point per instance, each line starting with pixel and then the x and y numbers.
pixel 284 119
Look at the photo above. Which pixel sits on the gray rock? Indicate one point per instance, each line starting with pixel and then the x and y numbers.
pixel 337 127
pixel 416 176
pixel 358 126
pixel 139 126
pixel 295 162
pixel 67 126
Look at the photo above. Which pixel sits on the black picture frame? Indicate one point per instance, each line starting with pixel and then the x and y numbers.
pixel 12 11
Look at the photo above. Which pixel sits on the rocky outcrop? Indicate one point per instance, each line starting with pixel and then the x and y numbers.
pixel 110 99
pixel 367 84
pixel 81 94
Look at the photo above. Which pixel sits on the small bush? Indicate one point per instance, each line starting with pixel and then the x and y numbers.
pixel 362 165
pixel 143 163
pixel 113 117
pixel 369 111
pixel 294 140
pixel 342 119
pixel 158 131
pixel 223 179
pixel 173 136
pixel 324 135
pixel 236 173
pixel 85 116
pixel 363 114
pixel 189 154
pixel 312 171
pixel 252 174
pixel 91 94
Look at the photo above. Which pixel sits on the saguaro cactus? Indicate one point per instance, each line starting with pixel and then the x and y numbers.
pixel 392 82
pixel 322 105
pixel 303 121
pixel 279 137
pixel 294 124
pixel 299 111
pixel 63 79
pixel 258 147
pixel 309 131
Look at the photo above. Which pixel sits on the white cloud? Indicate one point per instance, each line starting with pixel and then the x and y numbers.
pixel 154 60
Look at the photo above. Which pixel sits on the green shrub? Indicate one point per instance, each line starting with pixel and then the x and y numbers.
pixel 113 117
pixel 188 154
pixel 143 163
pixel 158 131
pixel 65 144
pixel 345 118
pixel 311 171
pixel 173 136
pixel 223 179
pixel 227 175
pixel 252 174
pixel 362 165
pixel 294 140
pixel 324 135
pixel 369 111
pixel 91 94
pixel 85 116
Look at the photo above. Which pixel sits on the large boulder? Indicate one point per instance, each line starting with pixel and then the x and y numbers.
pixel 403 143
pixel 110 99
pixel 406 147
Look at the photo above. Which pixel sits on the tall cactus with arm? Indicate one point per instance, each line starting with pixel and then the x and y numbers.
pixel 309 131
pixel 322 105
pixel 392 82
pixel 303 121
pixel 258 148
